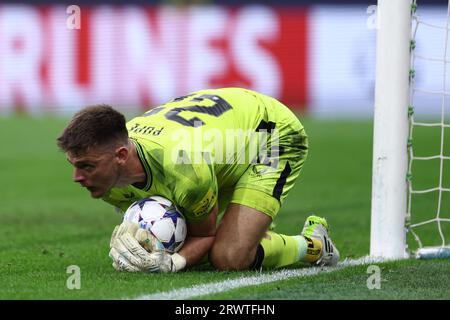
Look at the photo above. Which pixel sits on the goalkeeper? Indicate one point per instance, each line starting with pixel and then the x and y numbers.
pixel 226 157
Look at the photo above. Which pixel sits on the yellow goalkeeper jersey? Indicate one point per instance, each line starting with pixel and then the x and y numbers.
pixel 197 145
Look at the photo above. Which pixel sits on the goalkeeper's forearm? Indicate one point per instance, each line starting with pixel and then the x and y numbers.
pixel 200 238
pixel 195 248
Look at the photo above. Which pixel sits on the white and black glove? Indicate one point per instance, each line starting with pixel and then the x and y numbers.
pixel 133 249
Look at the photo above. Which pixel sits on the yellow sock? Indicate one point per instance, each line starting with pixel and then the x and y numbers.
pixel 281 250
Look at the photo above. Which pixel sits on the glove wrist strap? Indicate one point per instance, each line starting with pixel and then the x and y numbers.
pixel 179 262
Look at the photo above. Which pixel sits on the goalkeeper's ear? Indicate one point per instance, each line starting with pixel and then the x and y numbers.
pixel 121 154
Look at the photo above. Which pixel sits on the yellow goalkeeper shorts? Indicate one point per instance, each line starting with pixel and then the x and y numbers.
pixel 265 185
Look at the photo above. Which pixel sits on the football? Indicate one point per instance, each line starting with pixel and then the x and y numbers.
pixel 162 218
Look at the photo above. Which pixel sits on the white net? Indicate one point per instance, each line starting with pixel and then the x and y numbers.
pixel 428 179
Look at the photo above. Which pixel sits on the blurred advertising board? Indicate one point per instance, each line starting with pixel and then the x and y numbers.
pixel 319 59
pixel 54 59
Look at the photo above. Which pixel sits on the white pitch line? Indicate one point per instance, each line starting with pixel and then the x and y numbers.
pixel 229 284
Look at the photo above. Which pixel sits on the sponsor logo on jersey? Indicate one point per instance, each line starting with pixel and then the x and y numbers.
pixel 146 130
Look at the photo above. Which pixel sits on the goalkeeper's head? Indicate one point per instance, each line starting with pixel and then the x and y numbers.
pixel 96 143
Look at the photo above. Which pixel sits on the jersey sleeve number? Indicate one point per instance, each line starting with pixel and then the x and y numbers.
pixel 219 107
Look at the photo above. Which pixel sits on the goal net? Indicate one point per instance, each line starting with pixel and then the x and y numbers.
pixel 411 159
pixel 428 175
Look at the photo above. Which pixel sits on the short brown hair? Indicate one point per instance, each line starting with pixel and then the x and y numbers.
pixel 94 126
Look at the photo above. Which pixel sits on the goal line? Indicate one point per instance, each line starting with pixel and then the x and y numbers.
pixel 230 284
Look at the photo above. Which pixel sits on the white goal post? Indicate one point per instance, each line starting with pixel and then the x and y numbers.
pixel 394 123
pixel 390 158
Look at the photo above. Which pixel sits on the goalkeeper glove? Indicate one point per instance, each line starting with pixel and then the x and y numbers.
pixel 128 254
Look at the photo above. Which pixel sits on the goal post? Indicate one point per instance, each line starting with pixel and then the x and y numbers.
pixel 391 126
pixel 399 210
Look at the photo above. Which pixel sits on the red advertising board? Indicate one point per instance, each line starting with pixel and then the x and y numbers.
pixel 54 59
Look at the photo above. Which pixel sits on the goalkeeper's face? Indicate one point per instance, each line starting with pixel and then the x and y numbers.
pixel 96 170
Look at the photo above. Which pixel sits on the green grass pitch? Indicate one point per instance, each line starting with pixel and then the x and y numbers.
pixel 48 223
